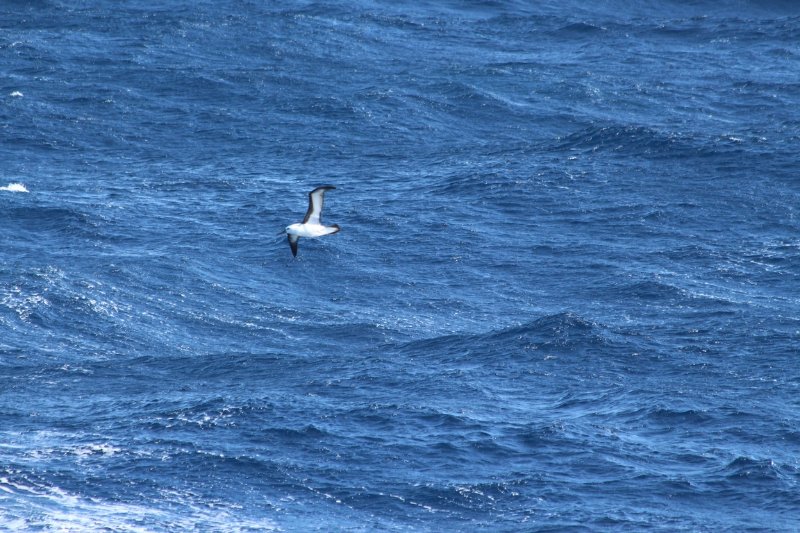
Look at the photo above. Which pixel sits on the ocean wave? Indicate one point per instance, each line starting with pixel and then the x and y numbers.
pixel 217 412
pixel 651 290
pixel 750 469
pixel 14 187
pixel 49 219
pixel 581 28
pixel 562 333
pixel 671 417
pixel 632 140
pixel 34 505
pixel 23 302
pixel 50 295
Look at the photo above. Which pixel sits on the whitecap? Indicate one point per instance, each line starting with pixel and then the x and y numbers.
pixel 95 450
pixel 14 187
pixel 23 304
pixel 55 509
pixel 16 94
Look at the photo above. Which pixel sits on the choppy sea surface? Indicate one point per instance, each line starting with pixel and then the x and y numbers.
pixel 565 296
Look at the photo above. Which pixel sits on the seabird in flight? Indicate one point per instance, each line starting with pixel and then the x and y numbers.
pixel 312 223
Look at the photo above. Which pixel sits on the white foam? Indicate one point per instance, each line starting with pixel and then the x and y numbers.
pixel 95 450
pixel 54 509
pixel 14 187
pixel 23 304
pixel 16 94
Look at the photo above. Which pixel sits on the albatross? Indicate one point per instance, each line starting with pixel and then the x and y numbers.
pixel 312 223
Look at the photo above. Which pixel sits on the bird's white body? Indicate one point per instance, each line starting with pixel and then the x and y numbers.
pixel 312 223
pixel 310 230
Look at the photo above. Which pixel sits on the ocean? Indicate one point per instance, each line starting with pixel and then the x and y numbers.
pixel 565 295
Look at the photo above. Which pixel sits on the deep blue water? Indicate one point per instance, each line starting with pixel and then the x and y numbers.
pixel 565 296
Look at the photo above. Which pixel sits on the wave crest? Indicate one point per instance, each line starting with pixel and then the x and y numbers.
pixel 559 333
pixel 14 187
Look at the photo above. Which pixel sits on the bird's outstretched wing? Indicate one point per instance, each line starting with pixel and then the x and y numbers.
pixel 315 199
